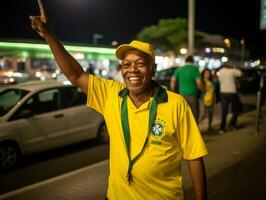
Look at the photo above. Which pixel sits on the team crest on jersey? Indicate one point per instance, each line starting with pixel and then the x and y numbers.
pixel 158 129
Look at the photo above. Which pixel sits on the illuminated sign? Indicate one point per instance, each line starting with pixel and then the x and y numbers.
pixel 263 15
pixel 26 50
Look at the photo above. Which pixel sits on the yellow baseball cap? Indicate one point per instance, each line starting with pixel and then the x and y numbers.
pixel 135 44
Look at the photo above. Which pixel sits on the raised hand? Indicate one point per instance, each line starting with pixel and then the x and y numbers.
pixel 39 23
pixel 67 63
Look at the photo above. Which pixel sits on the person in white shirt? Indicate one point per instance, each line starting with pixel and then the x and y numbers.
pixel 228 94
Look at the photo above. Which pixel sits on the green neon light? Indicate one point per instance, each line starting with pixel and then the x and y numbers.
pixel 68 47
pixel 24 54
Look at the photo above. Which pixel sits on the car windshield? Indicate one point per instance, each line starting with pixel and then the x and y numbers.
pixel 9 98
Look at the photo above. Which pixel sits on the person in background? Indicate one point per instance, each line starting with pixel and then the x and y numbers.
pixel 151 129
pixel 228 94
pixel 189 81
pixel 90 69
pixel 208 97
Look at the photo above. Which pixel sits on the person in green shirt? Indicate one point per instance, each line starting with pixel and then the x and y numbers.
pixel 188 79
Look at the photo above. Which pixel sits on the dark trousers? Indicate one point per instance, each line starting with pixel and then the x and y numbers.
pixel 208 110
pixel 226 100
pixel 193 103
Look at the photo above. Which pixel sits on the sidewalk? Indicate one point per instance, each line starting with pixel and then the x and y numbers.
pixel 225 159
pixel 236 163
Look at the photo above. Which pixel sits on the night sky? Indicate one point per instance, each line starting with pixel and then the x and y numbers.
pixel 76 21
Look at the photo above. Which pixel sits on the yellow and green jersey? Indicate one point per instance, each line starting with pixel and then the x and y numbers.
pixel 174 136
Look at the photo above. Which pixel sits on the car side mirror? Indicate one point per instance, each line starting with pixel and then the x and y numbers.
pixel 2 110
pixel 25 113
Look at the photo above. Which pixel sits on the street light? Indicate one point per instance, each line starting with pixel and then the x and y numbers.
pixel 114 43
pixel 227 43
pixel 183 51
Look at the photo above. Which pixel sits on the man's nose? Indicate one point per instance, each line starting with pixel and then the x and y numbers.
pixel 133 67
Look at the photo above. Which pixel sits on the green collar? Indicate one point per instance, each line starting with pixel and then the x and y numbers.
pixel 160 94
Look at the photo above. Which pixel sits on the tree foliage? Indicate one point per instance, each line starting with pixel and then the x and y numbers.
pixel 167 35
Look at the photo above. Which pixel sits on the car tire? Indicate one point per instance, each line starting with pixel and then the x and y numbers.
pixel 9 155
pixel 103 136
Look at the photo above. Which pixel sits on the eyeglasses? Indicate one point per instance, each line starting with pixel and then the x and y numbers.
pixel 139 64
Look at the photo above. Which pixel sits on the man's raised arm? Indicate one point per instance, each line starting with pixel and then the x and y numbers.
pixel 69 66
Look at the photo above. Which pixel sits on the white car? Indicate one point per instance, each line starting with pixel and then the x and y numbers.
pixel 40 116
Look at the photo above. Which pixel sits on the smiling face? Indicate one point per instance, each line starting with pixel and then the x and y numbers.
pixel 137 70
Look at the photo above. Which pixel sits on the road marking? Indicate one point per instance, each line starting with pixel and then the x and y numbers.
pixel 42 183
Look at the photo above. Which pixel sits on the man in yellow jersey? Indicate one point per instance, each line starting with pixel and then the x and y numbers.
pixel 151 129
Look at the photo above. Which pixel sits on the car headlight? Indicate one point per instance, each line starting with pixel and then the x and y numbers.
pixel 12 80
pixel 9 80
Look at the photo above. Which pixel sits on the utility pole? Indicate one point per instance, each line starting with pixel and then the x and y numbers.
pixel 242 42
pixel 191 25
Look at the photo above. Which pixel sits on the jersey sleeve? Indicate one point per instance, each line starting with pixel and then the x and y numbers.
pixel 191 141
pixel 99 90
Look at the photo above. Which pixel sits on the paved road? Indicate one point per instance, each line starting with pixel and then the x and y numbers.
pixel 48 164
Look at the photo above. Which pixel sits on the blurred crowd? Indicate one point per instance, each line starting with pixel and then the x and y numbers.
pixel 207 88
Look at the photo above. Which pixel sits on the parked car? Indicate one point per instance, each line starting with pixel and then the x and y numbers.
pixel 38 116
pixel 249 82
pixel 164 76
pixel 6 80
pixel 13 78
pixel 45 74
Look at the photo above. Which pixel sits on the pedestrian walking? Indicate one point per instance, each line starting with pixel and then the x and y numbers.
pixel 151 129
pixel 208 97
pixel 188 79
pixel 228 94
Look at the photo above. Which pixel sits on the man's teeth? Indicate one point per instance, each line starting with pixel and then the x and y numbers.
pixel 133 78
